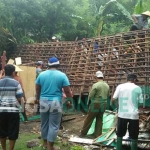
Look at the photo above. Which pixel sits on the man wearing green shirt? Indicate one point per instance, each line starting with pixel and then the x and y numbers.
pixel 98 96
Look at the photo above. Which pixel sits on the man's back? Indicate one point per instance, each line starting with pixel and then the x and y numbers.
pixel 10 89
pixel 52 82
pixel 129 96
pixel 100 91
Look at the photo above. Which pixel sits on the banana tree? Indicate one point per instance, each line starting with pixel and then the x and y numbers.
pixel 7 41
pixel 139 7
pixel 110 10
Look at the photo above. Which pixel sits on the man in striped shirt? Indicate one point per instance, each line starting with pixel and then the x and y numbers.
pixel 10 97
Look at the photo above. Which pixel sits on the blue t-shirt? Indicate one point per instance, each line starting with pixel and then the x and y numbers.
pixel 52 82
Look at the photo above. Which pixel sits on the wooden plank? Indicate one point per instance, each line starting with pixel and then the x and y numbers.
pixel 28 76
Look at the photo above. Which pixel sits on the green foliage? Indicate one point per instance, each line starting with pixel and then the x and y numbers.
pixel 112 12
pixel 32 21
pixel 21 142
pixel 139 8
pixel 24 137
pixel 77 148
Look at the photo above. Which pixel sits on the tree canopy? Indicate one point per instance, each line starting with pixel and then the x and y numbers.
pixel 32 21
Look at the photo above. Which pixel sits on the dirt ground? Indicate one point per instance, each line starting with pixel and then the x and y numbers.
pixel 71 127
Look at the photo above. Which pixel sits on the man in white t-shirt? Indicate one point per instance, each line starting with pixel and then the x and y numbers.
pixel 129 96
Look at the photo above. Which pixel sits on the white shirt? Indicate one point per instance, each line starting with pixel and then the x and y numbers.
pixel 129 96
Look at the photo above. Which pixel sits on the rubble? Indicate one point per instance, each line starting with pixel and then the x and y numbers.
pixel 108 138
pixel 91 147
pixel 33 143
pixel 145 122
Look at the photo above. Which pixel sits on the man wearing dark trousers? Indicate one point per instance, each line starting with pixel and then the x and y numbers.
pixel 10 97
pixel 98 95
pixel 129 96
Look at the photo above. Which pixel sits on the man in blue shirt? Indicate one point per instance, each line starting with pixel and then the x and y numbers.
pixel 49 86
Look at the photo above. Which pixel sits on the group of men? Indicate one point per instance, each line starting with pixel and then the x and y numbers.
pixel 49 85
pixel 129 97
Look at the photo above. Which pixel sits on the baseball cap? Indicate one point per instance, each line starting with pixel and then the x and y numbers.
pixel 99 74
pixel 132 77
pixel 53 61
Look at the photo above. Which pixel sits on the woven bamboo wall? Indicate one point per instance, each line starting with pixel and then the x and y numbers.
pixel 116 56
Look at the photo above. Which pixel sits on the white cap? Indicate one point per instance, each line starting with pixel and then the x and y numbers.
pixel 40 62
pixel 99 74
pixel 54 37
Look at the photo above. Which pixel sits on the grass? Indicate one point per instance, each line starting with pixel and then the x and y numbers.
pixel 24 137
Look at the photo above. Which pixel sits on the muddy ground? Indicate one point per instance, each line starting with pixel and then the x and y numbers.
pixel 71 128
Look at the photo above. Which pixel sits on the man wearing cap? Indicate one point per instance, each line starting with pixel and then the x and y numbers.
pixel 129 96
pixel 49 86
pixel 55 39
pixel 98 95
pixel 141 21
pixel 39 68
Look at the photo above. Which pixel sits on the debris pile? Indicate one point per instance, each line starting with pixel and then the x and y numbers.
pixel 33 143
pixel 115 55
pixel 108 138
pixel 145 122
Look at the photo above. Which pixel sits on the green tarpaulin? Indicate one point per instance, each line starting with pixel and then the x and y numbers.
pixel 109 121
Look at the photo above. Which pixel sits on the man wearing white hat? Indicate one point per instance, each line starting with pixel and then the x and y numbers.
pixel 54 39
pixel 141 21
pixel 98 95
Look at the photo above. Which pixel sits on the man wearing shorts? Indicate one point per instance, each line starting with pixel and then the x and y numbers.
pixel 129 96
pixel 49 86
pixel 10 97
